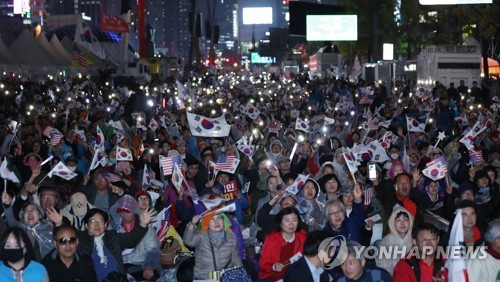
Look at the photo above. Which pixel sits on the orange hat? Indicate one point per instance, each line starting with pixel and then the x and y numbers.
pixel 206 221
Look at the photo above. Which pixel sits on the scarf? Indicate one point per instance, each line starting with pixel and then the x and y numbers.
pixel 216 235
pixel 99 245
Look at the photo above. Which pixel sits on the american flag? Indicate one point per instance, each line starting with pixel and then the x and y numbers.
pixel 167 163
pixel 79 59
pixel 165 224
pixel 368 193
pixel 476 156
pixel 47 131
pixel 111 177
pixel 224 162
pixel 55 137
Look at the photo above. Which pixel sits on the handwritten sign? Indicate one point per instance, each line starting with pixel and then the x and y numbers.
pixel 230 190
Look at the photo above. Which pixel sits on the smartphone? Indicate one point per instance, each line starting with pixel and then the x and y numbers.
pixel 315 145
pixel 372 172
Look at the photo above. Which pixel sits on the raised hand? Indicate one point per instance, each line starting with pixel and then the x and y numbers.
pixel 416 175
pixel 196 219
pixel 54 216
pixel 147 216
pixel 6 199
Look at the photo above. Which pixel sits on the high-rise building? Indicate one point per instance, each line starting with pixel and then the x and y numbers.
pixel 184 34
pixel 32 11
pixel 226 17
pixel 156 16
pixel 172 27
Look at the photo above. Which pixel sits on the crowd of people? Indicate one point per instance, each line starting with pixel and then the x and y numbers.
pixel 98 181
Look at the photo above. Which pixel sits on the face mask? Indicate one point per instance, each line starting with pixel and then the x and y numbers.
pixel 394 156
pixel 154 196
pixel 72 168
pixel 112 161
pixel 33 163
pixel 413 164
pixel 13 255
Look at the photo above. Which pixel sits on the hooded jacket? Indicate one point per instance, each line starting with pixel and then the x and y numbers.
pixel 394 240
pixel 275 158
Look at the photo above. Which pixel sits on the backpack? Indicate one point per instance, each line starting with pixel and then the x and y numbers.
pixel 169 250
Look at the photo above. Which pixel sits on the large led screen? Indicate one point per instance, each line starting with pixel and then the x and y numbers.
pixel 257 15
pixel 332 28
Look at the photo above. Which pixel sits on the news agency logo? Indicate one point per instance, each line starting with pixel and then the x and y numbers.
pixel 333 251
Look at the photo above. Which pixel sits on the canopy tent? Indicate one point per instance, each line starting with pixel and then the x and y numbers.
pixel 57 57
pixel 28 51
pixel 60 48
pixel 6 56
pixel 493 66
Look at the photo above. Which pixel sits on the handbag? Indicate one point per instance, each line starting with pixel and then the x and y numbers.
pixel 234 274
pixel 169 249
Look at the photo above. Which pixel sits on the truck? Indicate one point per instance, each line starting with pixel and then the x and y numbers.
pixel 447 64
pixel 325 63
pixel 134 72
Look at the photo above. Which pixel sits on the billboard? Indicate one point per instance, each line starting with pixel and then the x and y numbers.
pixel 257 15
pixel 299 10
pixel 454 2
pixel 21 6
pixel 332 27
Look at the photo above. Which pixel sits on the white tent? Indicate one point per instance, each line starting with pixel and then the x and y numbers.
pixel 67 43
pixel 57 58
pixel 28 51
pixel 6 56
pixel 60 48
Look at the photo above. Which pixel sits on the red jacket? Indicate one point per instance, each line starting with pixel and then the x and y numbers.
pixel 404 272
pixel 271 253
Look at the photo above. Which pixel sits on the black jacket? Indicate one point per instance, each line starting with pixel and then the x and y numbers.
pixel 299 271
pixel 115 242
pixel 81 269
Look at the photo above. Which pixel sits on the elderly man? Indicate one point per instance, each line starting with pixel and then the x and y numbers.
pixel 143 261
pixel 63 263
pixel 103 193
pixel 354 268
pixel 389 198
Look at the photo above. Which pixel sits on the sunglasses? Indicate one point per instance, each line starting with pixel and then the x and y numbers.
pixel 65 241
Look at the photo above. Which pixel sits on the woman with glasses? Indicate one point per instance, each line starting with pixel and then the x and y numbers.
pixel 38 228
pixel 267 214
pixel 16 253
pixel 215 247
pixel 105 246
pixel 282 246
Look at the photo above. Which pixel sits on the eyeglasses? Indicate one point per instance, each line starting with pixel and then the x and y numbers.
pixel 287 204
pixel 96 222
pixel 51 197
pixel 336 213
pixel 31 210
pixel 437 154
pixel 65 241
